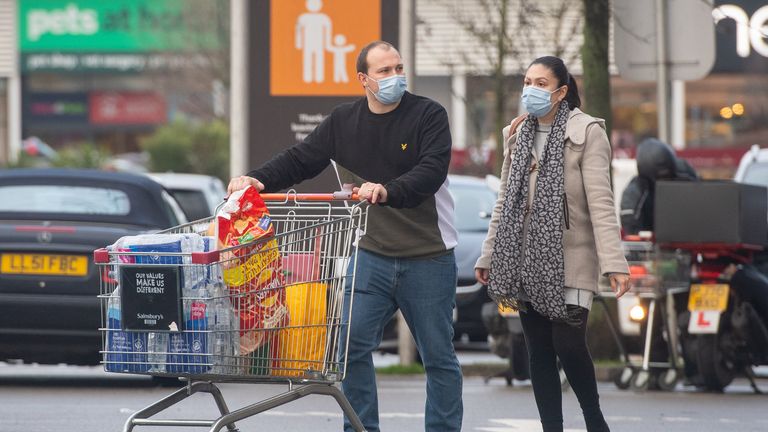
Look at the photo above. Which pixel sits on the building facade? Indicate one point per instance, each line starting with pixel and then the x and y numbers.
pixel 9 84
pixel 724 113
pixel 112 72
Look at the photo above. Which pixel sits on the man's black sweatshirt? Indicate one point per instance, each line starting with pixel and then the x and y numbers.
pixel 407 150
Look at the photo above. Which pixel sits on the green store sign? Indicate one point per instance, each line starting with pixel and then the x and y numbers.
pixel 112 26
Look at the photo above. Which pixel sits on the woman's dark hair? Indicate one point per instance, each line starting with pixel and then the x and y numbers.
pixel 556 65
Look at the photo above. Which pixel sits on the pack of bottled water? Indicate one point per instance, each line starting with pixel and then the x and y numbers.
pixel 208 339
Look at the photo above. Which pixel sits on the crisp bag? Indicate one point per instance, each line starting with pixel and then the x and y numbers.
pixel 252 268
pixel 243 219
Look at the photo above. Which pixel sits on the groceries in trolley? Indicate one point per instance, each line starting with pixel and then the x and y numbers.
pixel 247 294
pixel 252 271
pixel 187 306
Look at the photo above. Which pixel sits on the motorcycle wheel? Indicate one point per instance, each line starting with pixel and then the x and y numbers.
pixel 624 378
pixel 667 380
pixel 714 367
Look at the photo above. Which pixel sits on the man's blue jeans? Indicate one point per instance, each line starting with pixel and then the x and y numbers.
pixel 425 291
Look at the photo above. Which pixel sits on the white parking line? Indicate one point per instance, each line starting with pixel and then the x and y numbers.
pixel 517 425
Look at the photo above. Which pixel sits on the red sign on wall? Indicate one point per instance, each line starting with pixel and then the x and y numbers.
pixel 127 108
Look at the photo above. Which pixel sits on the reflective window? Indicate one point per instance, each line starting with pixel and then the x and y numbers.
pixel 64 199
pixel 193 203
pixel 474 206
pixel 757 173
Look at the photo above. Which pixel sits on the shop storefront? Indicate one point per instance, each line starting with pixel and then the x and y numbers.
pixel 112 72
pixel 726 112
pixel 4 148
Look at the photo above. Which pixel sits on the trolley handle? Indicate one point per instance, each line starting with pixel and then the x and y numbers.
pixel 294 196
pixel 345 194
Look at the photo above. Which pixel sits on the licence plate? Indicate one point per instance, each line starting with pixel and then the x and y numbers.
pixel 708 297
pixel 507 311
pixel 38 264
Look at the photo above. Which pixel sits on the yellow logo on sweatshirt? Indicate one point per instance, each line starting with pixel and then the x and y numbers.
pixel 404 146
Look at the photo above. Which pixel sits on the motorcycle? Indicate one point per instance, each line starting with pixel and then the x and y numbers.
pixel 724 328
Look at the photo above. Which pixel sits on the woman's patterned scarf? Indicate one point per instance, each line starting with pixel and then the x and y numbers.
pixel 537 269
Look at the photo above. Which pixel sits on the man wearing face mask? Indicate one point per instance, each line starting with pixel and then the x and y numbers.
pixel 396 146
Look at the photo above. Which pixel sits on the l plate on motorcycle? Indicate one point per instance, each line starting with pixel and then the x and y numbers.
pixel 706 303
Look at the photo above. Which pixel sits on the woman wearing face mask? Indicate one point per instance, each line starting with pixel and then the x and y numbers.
pixel 553 233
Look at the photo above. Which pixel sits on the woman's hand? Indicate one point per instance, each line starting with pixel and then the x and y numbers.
pixel 619 283
pixel 481 274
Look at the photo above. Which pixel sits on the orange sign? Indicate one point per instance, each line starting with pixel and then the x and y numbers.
pixel 314 45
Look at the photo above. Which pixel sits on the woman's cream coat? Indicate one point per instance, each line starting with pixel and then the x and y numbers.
pixel 591 240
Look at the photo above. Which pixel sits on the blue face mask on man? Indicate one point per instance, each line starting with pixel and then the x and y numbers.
pixel 537 101
pixel 391 89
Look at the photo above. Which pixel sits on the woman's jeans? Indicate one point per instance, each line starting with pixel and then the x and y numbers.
pixel 547 341
pixel 425 291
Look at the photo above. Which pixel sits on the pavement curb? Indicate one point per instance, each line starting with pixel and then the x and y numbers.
pixel 602 373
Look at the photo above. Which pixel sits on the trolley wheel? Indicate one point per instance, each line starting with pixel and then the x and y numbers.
pixel 667 380
pixel 624 378
pixel 641 380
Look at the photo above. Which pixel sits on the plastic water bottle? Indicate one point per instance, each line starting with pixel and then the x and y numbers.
pixel 116 341
pixel 200 320
pixel 113 310
pixel 157 350
pixel 223 350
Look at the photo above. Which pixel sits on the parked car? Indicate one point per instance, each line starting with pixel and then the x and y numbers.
pixel 753 167
pixel 51 220
pixel 198 194
pixel 474 199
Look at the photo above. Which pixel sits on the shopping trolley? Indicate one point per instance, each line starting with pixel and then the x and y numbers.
pixel 656 277
pixel 269 311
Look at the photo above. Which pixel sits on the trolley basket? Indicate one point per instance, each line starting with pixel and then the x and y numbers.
pixel 656 276
pixel 269 311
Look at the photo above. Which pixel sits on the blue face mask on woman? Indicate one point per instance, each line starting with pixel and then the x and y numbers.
pixel 391 89
pixel 537 101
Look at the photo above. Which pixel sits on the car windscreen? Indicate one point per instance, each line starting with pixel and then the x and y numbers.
pixel 474 206
pixel 63 199
pixel 756 173
pixel 193 203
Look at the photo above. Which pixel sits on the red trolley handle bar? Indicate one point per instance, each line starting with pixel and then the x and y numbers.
pixel 101 256
pixel 335 196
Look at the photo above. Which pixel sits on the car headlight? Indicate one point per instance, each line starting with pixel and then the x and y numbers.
pixel 637 313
